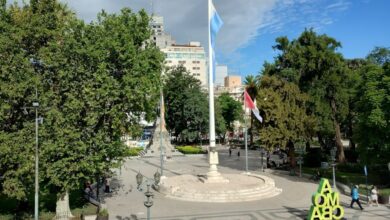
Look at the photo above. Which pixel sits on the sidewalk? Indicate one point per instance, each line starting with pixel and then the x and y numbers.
pixel 126 202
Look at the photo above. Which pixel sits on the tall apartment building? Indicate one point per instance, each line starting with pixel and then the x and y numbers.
pixel 191 56
pixel 159 37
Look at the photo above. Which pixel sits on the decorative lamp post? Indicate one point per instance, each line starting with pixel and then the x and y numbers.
pixel 38 120
pixel 333 159
pixel 262 158
pixel 148 182
pixel 301 150
pixel 36 64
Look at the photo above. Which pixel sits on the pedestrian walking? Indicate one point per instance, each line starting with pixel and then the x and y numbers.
pixel 107 184
pixel 374 195
pixel 238 152
pixel 230 151
pixel 355 197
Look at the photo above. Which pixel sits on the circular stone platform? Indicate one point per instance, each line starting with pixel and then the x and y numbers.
pixel 241 187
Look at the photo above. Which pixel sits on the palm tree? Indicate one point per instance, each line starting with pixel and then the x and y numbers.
pixel 251 87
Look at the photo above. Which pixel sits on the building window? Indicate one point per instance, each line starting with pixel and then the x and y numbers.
pixel 182 61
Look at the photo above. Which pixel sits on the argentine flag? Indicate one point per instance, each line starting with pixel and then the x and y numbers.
pixel 215 23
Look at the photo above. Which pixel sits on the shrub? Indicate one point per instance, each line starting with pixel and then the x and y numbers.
pixel 103 213
pixel 314 157
pixel 378 174
pixel 190 150
pixel 134 151
pixel 351 155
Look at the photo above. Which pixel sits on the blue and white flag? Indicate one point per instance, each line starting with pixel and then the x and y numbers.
pixel 215 23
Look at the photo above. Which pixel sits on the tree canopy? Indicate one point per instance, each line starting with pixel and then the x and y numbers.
pixel 186 104
pixel 373 120
pixel 313 63
pixel 283 108
pixel 231 110
pixel 94 81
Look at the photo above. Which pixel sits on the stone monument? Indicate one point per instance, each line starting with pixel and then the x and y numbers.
pixel 160 139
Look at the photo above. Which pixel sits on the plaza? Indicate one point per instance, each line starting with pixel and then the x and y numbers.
pixel 126 202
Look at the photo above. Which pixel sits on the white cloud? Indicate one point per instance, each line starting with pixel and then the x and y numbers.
pixel 244 20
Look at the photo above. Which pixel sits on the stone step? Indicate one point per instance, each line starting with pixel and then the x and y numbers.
pixel 229 196
pixel 235 198
pixel 229 192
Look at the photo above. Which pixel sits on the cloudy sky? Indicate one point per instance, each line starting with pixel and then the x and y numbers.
pixel 251 26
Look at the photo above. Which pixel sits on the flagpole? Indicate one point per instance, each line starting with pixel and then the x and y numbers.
pixel 211 91
pixel 213 176
pixel 246 136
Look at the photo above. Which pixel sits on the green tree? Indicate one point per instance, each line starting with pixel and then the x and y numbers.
pixel 186 104
pixel 283 108
pixel 231 110
pixel 373 133
pixel 379 55
pixel 24 34
pixel 313 63
pixel 220 123
pixel 356 66
pixel 94 82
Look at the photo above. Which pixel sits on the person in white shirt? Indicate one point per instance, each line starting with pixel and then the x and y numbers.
pixel 374 195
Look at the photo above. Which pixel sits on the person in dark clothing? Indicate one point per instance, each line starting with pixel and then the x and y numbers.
pixel 355 197
pixel 230 152
pixel 107 182
pixel 238 153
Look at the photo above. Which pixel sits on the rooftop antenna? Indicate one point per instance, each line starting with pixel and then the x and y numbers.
pixel 151 7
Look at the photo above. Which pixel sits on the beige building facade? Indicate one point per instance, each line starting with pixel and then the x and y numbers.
pixel 232 81
pixel 192 56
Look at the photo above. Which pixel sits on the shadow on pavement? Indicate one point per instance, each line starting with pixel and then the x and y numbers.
pixel 297 212
pixel 132 217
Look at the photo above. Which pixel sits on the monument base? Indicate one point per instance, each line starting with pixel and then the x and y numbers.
pixel 238 188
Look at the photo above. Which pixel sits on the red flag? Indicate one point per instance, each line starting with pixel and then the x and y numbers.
pixel 249 104
pixel 248 101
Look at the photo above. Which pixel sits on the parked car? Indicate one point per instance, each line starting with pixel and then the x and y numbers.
pixel 277 158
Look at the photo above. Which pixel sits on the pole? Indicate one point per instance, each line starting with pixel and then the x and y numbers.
pixel 262 160
pixel 246 138
pixel 36 166
pixel 368 199
pixel 161 127
pixel 334 175
pixel 300 160
pixel 148 200
pixel 300 169
pixel 366 174
pixel 211 89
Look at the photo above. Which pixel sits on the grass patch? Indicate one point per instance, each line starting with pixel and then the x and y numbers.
pixel 10 209
pixel 384 192
pixel 133 151
pixel 87 209
pixel 190 150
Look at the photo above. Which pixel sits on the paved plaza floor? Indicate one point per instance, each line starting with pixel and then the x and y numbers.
pixel 126 202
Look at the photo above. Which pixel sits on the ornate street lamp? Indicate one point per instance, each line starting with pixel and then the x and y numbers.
pixel 301 151
pixel 148 182
pixel 37 64
pixel 262 158
pixel 333 152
